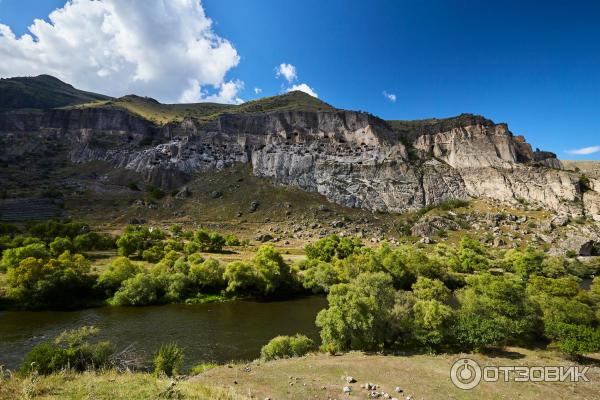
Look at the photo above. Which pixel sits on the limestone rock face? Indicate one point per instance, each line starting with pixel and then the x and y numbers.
pixel 352 158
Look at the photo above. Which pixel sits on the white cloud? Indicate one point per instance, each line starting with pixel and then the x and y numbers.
pixel 390 96
pixel 303 87
pixel 257 90
pixel 288 71
pixel 585 150
pixel 165 49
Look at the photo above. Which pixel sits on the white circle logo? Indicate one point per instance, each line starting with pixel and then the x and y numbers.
pixel 465 373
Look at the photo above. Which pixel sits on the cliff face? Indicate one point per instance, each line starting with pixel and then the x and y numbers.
pixel 352 158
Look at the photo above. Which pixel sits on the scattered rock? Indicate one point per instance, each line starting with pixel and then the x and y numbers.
pixel 427 240
pixel 350 379
pixel 183 193
pixel 263 238
pixel 215 194
pixel 346 389
pixel 499 242
pixel 254 206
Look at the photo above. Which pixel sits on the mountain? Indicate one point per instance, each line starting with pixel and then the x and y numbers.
pixel 43 91
pixel 353 159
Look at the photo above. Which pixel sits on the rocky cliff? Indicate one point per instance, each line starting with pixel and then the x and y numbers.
pixel 352 158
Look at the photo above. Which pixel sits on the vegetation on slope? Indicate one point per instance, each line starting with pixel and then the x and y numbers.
pixel 42 91
pixel 411 129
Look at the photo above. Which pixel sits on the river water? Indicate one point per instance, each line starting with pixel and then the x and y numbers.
pixel 218 332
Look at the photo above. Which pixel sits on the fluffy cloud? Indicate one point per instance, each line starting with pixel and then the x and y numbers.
pixel 585 150
pixel 257 90
pixel 390 96
pixel 303 87
pixel 165 49
pixel 288 71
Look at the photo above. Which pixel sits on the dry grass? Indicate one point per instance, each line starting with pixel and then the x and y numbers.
pixel 109 385
pixel 319 376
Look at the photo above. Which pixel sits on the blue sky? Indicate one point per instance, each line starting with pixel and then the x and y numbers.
pixel 534 65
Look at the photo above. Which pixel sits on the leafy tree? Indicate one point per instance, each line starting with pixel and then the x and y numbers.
pixel 494 310
pixel 431 289
pixel 320 277
pixel 59 245
pixel 331 247
pixel 117 272
pixel 359 314
pixel 208 275
pixel 93 241
pixel 524 263
pixel 57 282
pixel 140 290
pixel 209 241
pixel 431 320
pixel 271 269
pixel 471 256
pixel 575 340
pixel 12 257
pixel 241 278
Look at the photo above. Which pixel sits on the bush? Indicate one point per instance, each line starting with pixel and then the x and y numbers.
pixel 93 241
pixel 59 245
pixel 168 360
pixel 69 350
pixel 241 278
pixel 285 347
pixel 12 257
pixel 331 247
pixel 430 289
pixel 359 314
pixel 209 241
pixel 140 290
pixel 117 272
pixel 57 282
pixel 208 276
pixel 202 368
pixel 575 340
pixel 451 204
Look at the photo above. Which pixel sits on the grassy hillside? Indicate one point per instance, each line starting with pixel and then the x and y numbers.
pixel 161 114
pixel 42 91
pixel 316 376
pixel 413 128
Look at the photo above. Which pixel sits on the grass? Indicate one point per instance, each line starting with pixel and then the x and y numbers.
pixel 42 91
pixel 161 114
pixel 109 385
pixel 315 376
pixel 318 376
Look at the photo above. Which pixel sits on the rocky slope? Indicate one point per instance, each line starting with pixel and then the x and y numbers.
pixel 353 158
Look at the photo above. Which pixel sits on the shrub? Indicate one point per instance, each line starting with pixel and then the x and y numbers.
pixel 430 289
pixel 71 349
pixel 271 270
pixel 451 204
pixel 140 290
pixel 320 277
pixel 241 278
pixel 117 272
pixel 285 347
pixel 168 360
pixel 359 314
pixel 208 275
pixel 12 257
pixel 575 340
pixel 584 183
pixel 202 368
pixel 331 247
pixel 209 241
pixel 59 245
pixel 93 241
pixel 61 281
pixel 155 192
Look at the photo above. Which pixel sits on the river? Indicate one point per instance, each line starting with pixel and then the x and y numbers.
pixel 217 332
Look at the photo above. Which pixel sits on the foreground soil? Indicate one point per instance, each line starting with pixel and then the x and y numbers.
pixel 322 376
pixel 316 376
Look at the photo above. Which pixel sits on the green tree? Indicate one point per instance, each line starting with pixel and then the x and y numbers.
pixel 59 245
pixel 208 275
pixel 494 310
pixel 117 272
pixel 270 268
pixel 140 290
pixel 431 289
pixel 359 314
pixel 331 247
pixel 12 257
pixel 431 321
pixel 471 256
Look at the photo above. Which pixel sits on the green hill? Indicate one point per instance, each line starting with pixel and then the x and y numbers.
pixel 43 91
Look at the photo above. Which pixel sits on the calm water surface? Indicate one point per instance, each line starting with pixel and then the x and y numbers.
pixel 218 332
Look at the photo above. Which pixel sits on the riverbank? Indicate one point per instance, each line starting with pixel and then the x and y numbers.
pixel 318 376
